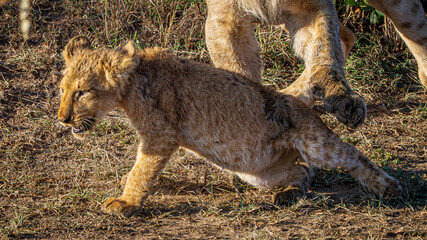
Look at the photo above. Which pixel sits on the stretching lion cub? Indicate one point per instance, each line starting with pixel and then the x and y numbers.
pixel 236 124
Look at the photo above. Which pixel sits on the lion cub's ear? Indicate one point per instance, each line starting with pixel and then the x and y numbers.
pixel 119 64
pixel 129 48
pixel 74 46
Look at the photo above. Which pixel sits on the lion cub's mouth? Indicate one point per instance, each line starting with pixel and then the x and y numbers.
pixel 88 124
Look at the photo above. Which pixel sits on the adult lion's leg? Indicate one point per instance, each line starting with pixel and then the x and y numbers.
pixel 313 26
pixel 230 40
pixel 301 88
pixel 409 19
pixel 149 163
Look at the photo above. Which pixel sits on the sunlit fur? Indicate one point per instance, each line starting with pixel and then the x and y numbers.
pixel 264 136
pixel 313 26
pixel 409 18
pixel 101 95
pixel 317 38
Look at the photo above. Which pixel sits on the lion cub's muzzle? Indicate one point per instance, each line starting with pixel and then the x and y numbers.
pixel 78 128
pixel 87 124
pixel 64 120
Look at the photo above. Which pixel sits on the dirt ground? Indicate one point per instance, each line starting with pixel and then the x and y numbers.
pixel 52 185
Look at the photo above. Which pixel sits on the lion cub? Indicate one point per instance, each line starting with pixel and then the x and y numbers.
pixel 265 137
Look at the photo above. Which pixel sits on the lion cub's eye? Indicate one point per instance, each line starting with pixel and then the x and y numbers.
pixel 82 93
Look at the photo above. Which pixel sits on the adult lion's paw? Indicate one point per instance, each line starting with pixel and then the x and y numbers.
pixel 119 206
pixel 330 86
pixel 349 109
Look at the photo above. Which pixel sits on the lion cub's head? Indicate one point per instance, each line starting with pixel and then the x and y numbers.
pixel 91 84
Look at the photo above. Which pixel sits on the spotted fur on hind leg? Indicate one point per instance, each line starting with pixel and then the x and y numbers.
pixel 321 147
pixel 375 180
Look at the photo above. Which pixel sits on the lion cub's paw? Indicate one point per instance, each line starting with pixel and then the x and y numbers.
pixel 393 188
pixel 120 207
pixel 349 109
pixel 385 187
pixel 288 197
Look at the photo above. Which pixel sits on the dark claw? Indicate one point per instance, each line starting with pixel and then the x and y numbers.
pixel 329 108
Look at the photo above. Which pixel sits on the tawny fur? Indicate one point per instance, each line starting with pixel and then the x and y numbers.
pixel 409 19
pixel 316 36
pixel 313 26
pixel 264 136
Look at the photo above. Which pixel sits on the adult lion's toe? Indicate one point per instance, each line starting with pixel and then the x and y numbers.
pixel 349 109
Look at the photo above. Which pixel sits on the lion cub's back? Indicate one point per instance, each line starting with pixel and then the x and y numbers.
pixel 223 114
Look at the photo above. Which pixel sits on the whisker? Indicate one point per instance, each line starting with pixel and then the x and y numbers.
pixel 87 124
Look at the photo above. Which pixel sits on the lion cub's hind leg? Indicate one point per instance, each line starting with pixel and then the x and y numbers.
pixel 321 147
pixel 297 183
pixel 289 172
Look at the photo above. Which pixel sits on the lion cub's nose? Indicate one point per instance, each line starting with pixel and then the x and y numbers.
pixel 64 119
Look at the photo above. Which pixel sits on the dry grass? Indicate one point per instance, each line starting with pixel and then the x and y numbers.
pixel 52 185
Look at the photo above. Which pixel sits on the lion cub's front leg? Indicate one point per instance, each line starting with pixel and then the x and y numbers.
pixel 149 164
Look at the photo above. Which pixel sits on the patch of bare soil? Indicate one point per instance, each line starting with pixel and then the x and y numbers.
pixel 52 186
